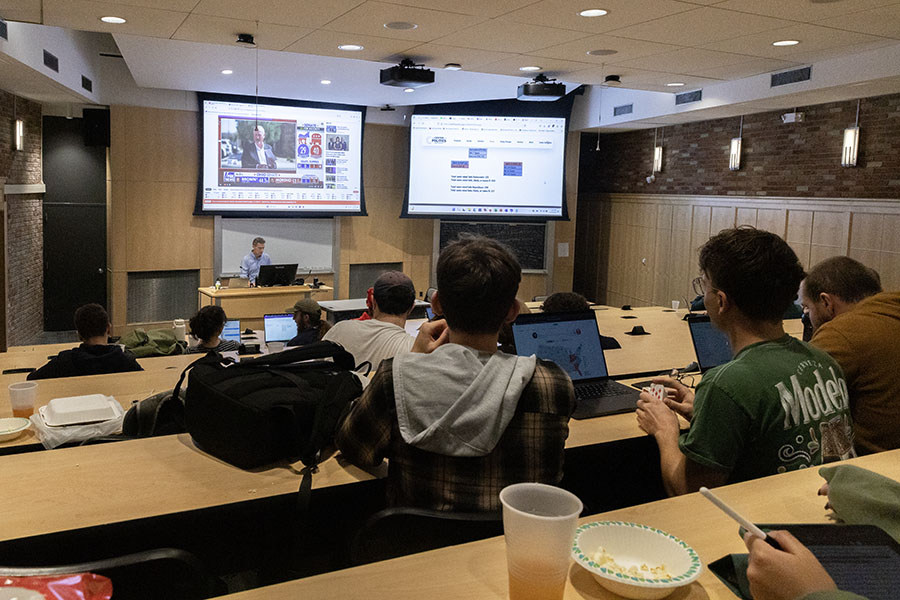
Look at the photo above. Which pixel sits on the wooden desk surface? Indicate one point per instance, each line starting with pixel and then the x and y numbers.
pixel 283 290
pixel 478 570
pixel 36 360
pixel 71 488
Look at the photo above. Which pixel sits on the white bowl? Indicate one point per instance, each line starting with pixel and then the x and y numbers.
pixel 632 544
pixel 11 428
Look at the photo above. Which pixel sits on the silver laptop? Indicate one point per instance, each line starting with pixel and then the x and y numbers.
pixel 572 341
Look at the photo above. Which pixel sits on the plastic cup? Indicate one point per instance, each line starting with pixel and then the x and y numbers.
pixel 675 304
pixel 274 347
pixel 539 524
pixel 22 395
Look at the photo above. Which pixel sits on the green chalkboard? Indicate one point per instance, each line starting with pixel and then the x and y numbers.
pixel 527 240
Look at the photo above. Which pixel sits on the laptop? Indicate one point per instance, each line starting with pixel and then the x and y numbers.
pixel 276 275
pixel 572 341
pixel 232 331
pixel 238 282
pixel 279 327
pixel 710 345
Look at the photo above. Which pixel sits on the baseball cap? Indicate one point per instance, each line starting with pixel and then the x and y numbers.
pixel 391 279
pixel 305 305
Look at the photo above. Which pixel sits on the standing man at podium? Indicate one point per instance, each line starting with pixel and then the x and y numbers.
pixel 251 263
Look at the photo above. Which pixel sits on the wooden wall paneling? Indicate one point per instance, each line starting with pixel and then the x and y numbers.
pixel 117 142
pixel 646 261
pixel 117 226
pixel 681 217
pixel 699 229
pixel 683 265
pixel 799 233
pixel 870 258
pixel 831 228
pixel 632 259
pixel 866 231
pixel 158 237
pixel 773 220
pixel 205 227
pixel 118 292
pixel 662 263
pixel 722 217
pixel 746 216
pixel 891 237
pixel 889 269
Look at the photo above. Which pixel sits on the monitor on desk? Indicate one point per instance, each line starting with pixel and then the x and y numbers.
pixel 232 331
pixel 280 327
pixel 270 275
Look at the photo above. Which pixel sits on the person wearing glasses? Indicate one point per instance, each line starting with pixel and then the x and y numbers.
pixel 778 405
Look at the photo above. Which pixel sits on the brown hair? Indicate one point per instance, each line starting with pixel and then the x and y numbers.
pixel 844 277
pixel 91 320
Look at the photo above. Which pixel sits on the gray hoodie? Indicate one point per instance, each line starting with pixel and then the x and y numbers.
pixel 457 401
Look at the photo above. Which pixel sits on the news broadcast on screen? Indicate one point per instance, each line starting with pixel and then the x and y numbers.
pixel 271 159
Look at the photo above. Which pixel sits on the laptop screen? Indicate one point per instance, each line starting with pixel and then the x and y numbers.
pixel 232 331
pixel 571 340
pixel 710 345
pixel 280 328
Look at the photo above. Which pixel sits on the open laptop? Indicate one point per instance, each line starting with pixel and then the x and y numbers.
pixel 232 331
pixel 276 275
pixel 710 345
pixel 279 327
pixel 572 341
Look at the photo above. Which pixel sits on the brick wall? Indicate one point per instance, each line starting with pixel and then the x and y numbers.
pixel 798 159
pixel 24 222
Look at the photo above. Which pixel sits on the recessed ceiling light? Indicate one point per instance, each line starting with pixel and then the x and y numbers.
pixel 351 47
pixel 227 71
pixel 401 25
pixel 452 67
pixel 114 20
pixel 675 84
pixel 593 12
pixel 601 52
pixel 531 68
pixel 409 90
pixel 325 82
pixel 786 43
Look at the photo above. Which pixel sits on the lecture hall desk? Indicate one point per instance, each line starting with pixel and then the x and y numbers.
pixel 477 570
pixel 249 305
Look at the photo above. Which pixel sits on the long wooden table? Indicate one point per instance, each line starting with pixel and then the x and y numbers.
pixel 249 305
pixel 478 570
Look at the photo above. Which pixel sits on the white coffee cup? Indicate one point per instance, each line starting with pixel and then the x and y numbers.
pixel 274 347
pixel 22 395
pixel 675 304
pixel 539 524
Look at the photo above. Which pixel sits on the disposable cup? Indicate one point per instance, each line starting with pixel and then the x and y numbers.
pixel 675 304
pixel 22 395
pixel 539 524
pixel 275 347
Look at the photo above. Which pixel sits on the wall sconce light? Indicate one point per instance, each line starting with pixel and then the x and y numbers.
pixel 20 135
pixel 850 148
pixel 734 155
pixel 657 159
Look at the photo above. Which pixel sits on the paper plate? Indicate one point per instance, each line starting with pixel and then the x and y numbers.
pixel 13 427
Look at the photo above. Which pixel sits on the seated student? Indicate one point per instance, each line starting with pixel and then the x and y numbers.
pixel 779 405
pixel 94 356
pixel 456 419
pixel 382 336
pixel 859 326
pixel 207 326
pixel 560 302
pixel 310 325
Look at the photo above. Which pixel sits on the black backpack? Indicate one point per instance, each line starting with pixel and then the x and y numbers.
pixel 271 408
pixel 160 414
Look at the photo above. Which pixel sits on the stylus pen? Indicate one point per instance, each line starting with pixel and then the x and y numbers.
pixel 743 521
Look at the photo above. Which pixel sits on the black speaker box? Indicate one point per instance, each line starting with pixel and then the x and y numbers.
pixel 96 127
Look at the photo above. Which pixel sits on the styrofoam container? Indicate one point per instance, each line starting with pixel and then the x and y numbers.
pixel 80 409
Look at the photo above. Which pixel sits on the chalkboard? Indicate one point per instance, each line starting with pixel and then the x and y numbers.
pixel 307 242
pixel 527 240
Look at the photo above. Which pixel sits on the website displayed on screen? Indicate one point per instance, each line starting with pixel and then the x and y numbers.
pixel 274 158
pixel 486 166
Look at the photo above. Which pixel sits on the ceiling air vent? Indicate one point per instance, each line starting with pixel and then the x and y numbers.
pixel 87 84
pixel 795 76
pixel 625 109
pixel 686 97
pixel 4 30
pixel 51 62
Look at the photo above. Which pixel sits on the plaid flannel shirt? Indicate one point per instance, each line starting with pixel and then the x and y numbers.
pixel 531 448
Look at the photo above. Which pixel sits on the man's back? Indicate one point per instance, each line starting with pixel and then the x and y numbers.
pixel 87 360
pixel 863 341
pixel 778 406
pixel 371 340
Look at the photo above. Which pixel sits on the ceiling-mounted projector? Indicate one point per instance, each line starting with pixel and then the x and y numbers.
pixel 407 75
pixel 541 90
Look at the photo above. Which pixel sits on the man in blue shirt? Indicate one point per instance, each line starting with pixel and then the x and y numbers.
pixel 251 263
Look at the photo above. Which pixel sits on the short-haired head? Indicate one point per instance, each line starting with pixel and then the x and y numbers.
pixel 208 322
pixel 559 302
pixel 757 270
pixel 258 240
pixel 91 320
pixel 477 280
pixel 844 277
pixel 394 293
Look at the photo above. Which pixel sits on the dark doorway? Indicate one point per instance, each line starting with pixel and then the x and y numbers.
pixel 74 222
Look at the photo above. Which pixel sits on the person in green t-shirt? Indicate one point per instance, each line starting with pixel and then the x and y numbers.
pixel 778 405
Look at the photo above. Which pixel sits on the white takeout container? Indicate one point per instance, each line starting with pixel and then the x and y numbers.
pixel 80 409
pixel 12 427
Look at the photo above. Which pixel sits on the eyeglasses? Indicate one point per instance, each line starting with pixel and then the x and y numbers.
pixel 699 288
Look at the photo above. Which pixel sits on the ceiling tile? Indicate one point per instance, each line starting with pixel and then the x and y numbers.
pixel 880 21
pixel 750 68
pixel 685 60
pixel 551 67
pixel 813 56
pixel 437 55
pixel 639 79
pixel 216 30
pixel 802 11
pixel 622 13
pixel 505 36
pixel 369 19
pixel 479 8
pixel 625 49
pixel 85 15
pixel 325 43
pixel 27 11
pixel 177 5
pixel 309 13
pixel 700 25
pixel 811 37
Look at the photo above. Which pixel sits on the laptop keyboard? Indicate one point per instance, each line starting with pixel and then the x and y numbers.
pixel 600 389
